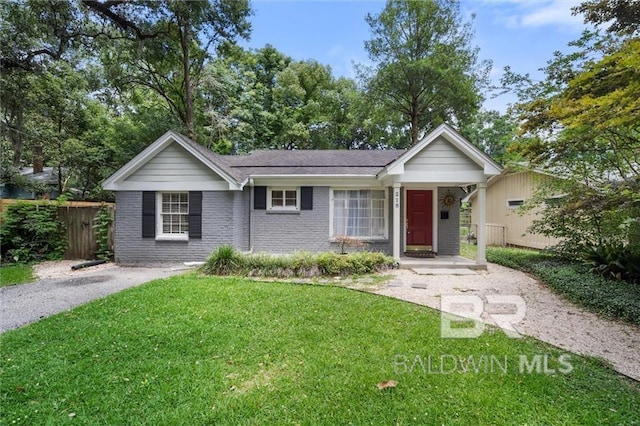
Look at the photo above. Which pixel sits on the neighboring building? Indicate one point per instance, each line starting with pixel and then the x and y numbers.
pixel 178 201
pixel 46 177
pixel 506 223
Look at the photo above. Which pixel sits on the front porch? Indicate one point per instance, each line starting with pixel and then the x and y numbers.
pixel 438 262
pixel 425 204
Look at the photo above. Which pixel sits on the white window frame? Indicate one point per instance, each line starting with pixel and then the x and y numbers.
pixel 384 237
pixel 160 234
pixel 514 207
pixel 271 207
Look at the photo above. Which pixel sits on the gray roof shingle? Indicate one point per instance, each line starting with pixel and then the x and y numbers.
pixel 310 162
pixel 299 162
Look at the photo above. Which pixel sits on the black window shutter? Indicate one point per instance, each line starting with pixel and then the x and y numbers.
pixel 306 198
pixel 260 198
pixel 148 214
pixel 195 214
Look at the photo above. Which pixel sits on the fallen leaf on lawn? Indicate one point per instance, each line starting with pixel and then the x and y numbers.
pixel 388 384
pixel 72 415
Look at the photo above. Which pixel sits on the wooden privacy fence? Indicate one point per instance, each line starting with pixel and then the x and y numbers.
pixel 78 218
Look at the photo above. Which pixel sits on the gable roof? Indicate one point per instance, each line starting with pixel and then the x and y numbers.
pixel 213 161
pixel 445 131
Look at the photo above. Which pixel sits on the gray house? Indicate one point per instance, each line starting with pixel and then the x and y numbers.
pixel 178 201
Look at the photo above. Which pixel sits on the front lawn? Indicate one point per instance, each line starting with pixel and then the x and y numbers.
pixel 15 274
pixel 573 280
pixel 204 350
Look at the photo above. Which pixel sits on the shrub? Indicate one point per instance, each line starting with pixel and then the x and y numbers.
pixel 346 241
pixel 615 260
pixel 32 232
pixel 331 263
pixel 225 261
pixel 102 224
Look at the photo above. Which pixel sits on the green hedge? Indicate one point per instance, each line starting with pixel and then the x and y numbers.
pixel 227 261
pixel 31 232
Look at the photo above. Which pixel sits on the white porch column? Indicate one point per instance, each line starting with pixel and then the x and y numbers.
pixel 481 255
pixel 396 221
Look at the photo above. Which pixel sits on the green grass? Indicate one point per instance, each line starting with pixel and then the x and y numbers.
pixel 573 280
pixel 16 274
pixel 195 350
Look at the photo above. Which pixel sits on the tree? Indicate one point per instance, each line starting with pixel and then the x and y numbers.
pixel 33 34
pixel 425 67
pixel 263 100
pixel 164 45
pixel 624 15
pixel 493 133
pixel 581 123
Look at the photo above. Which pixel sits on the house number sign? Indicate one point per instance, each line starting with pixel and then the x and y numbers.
pixel 396 197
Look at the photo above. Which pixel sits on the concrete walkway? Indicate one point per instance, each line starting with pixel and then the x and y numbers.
pixel 547 316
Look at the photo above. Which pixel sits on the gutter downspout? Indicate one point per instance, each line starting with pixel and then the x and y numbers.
pixel 251 215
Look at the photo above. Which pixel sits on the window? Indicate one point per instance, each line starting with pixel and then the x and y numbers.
pixel 173 215
pixel 514 204
pixel 360 213
pixel 283 199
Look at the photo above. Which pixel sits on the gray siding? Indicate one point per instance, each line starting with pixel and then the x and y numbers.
pixel 441 155
pixel 174 164
pixel 449 229
pixel 218 211
pixel 305 230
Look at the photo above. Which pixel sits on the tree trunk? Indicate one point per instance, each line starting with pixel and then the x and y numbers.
pixel 186 69
pixel 15 135
pixel 414 121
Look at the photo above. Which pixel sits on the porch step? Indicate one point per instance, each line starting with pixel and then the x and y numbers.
pixel 440 262
pixel 443 271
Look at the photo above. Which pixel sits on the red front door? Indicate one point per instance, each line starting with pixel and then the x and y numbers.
pixel 419 218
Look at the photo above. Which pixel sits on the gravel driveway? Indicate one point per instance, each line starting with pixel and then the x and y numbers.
pixel 60 289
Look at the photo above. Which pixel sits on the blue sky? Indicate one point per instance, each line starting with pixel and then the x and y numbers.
pixel 520 33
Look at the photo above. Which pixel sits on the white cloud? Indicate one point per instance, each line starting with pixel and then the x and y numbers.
pixel 534 13
pixel 342 61
pixel 555 13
